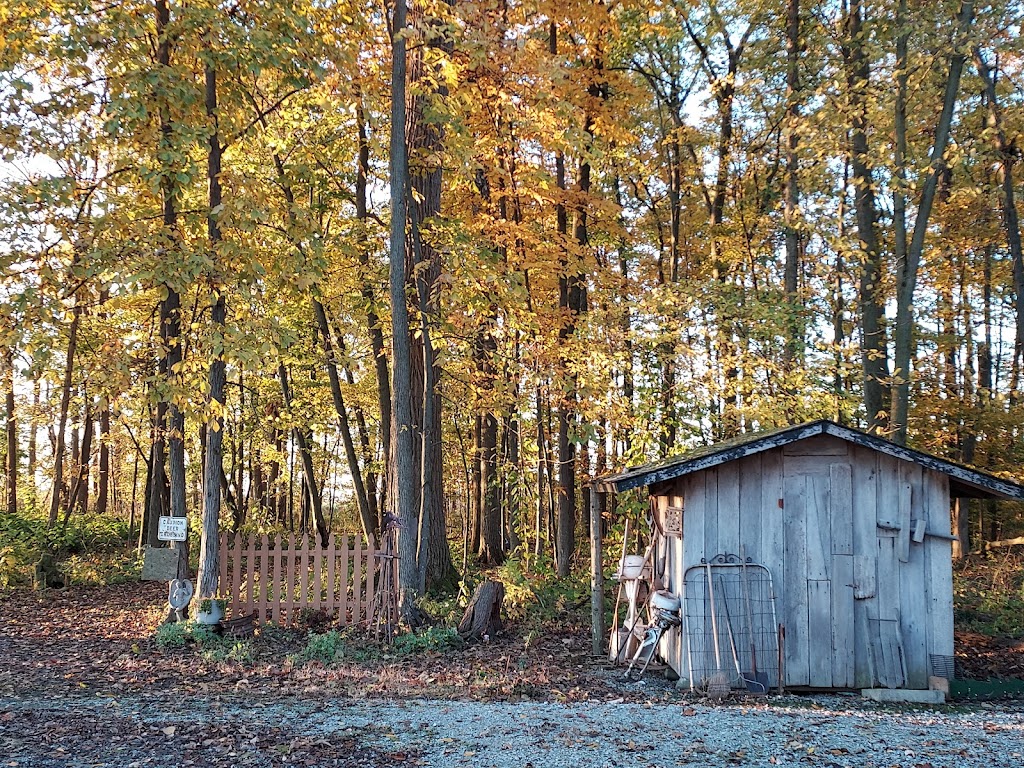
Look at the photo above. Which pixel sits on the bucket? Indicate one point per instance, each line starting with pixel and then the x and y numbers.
pixel 632 567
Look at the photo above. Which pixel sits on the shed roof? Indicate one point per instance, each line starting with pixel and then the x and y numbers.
pixel 964 481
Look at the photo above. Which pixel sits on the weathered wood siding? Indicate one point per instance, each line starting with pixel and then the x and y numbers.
pixel 865 601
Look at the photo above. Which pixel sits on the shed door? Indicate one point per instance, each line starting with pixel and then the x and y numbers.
pixel 817 590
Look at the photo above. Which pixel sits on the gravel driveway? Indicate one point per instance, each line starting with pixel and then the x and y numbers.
pixel 828 730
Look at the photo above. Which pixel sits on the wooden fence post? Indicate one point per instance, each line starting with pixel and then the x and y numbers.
pixel 344 582
pixel 596 575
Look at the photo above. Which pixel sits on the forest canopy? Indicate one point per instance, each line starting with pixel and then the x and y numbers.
pixel 278 264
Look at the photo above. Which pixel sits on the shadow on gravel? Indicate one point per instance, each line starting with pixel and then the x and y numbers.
pixel 58 739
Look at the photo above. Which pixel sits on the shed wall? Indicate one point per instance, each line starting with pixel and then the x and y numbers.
pixel 863 603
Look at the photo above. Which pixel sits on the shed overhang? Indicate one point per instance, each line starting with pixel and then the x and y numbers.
pixel 964 481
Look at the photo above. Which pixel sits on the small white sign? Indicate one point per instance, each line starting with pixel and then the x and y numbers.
pixel 172 528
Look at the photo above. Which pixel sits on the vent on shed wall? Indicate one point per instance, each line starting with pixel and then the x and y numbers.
pixel 674 521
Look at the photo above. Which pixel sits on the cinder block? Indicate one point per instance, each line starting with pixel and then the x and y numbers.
pixel 904 695
pixel 939 684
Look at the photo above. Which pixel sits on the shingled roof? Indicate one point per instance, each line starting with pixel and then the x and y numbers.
pixel 964 481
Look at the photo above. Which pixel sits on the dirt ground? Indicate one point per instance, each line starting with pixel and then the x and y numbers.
pixel 83 683
pixel 100 639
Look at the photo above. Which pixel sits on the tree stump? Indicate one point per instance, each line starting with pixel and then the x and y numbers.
pixel 47 573
pixel 482 619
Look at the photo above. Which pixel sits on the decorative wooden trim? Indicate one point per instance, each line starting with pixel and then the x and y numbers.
pixel 674 521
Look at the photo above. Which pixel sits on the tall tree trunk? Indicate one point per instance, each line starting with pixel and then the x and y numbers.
pixel 476 492
pixel 103 468
pixel 33 433
pixel 492 550
pixel 431 499
pixel 542 484
pixel 899 187
pixel 874 348
pixel 11 428
pixel 907 272
pixel 170 418
pixel 65 404
pixel 492 541
pixel 513 491
pixel 209 554
pixel 404 476
pixel 373 324
pixel 791 213
pixel 424 142
pixel 839 303
pixel 1007 154
pixel 565 533
pixel 79 495
pixel 626 328
pixel 147 534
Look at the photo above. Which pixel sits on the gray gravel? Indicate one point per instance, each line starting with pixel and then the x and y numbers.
pixel 792 731
pixel 615 735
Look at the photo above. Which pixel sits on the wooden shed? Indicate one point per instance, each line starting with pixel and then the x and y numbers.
pixel 840 537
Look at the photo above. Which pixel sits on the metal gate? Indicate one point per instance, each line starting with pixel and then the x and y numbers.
pixel 730 624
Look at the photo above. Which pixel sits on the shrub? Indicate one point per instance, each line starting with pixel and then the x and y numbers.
pixel 323 647
pixel 431 639
pixel 172 635
pixel 540 597
pixel 10 567
pixel 213 646
pixel 241 652
pixel 988 594
pixel 90 549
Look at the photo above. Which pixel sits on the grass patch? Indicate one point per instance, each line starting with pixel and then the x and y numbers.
pixel 435 639
pixel 324 647
pixel 210 645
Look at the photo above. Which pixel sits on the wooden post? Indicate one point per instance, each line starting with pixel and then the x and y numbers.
pixel 223 539
pixel 318 569
pixel 236 575
pixel 304 571
pixel 596 575
pixel 357 579
pixel 333 602
pixel 371 573
pixel 343 583
pixel 250 575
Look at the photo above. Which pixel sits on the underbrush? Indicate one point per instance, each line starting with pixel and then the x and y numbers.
pixel 210 645
pixel 272 643
pixel 988 593
pixel 536 597
pixel 89 549
pixel 341 645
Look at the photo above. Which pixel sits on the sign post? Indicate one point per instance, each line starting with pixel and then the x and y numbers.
pixel 172 528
